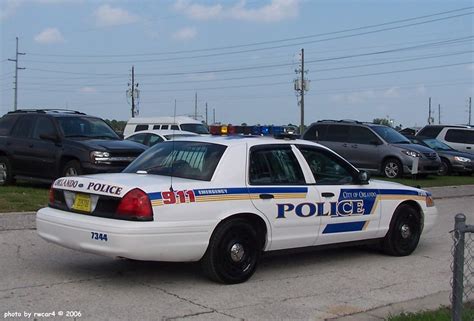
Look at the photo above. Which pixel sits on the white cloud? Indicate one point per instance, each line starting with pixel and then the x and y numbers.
pixel 49 36
pixel 88 90
pixel 276 10
pixel 421 89
pixel 470 67
pixel 8 8
pixel 202 77
pixel 391 93
pixel 185 33
pixel 107 16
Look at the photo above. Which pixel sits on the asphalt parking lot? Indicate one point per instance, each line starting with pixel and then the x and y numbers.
pixel 43 278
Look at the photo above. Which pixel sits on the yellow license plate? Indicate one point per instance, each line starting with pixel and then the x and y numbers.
pixel 82 202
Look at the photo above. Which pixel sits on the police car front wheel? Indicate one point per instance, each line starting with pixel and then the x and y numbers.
pixel 404 233
pixel 233 252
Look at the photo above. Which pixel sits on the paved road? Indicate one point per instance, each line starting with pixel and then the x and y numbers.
pixel 38 277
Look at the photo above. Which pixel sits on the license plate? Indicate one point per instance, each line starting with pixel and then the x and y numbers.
pixel 82 202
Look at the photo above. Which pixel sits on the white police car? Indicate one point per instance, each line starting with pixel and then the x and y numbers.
pixel 224 200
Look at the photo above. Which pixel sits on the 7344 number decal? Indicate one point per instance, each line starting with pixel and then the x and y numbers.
pixel 99 236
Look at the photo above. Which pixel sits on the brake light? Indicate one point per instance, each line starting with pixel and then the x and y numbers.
pixel 51 195
pixel 429 201
pixel 135 205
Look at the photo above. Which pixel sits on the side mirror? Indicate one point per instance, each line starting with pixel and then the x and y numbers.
pixel 52 137
pixel 363 177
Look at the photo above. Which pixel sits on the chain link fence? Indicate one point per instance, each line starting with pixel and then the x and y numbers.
pixel 462 266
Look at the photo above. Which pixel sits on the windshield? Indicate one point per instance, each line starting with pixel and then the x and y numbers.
pixel 193 160
pixel 436 144
pixel 195 128
pixel 87 127
pixel 390 135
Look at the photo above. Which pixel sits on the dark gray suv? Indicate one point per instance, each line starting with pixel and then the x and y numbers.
pixel 374 148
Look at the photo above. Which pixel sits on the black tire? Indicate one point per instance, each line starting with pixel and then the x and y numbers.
pixel 404 233
pixel 392 168
pixel 445 168
pixel 6 176
pixel 71 168
pixel 233 252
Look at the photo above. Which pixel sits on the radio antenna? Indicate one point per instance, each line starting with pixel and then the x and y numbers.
pixel 173 151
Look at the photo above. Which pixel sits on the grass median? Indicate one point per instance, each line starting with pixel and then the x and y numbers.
pixel 432 181
pixel 442 314
pixel 23 197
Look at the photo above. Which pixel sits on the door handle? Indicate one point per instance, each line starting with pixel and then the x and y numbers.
pixel 266 196
pixel 354 146
pixel 468 147
pixel 344 145
pixel 327 194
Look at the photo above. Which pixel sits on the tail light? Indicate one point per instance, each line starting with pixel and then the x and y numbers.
pixel 429 201
pixel 135 205
pixel 51 195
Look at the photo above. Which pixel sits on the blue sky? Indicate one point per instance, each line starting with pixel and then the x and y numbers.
pixel 365 59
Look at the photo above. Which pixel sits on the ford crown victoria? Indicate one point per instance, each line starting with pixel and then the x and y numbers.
pixel 225 200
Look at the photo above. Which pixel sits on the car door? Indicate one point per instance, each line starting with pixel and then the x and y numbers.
pixel 460 139
pixel 337 139
pixel 44 149
pixel 364 151
pixel 279 189
pixel 348 210
pixel 21 144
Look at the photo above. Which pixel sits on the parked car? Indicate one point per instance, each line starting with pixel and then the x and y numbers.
pixel 46 144
pixel 225 200
pixel 452 161
pixel 459 137
pixel 375 148
pixel 152 137
pixel 189 124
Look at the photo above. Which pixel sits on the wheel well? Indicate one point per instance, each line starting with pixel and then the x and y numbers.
pixel 414 205
pixel 63 162
pixel 2 153
pixel 256 221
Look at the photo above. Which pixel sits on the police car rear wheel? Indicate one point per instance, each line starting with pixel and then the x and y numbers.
pixel 233 252
pixel 5 171
pixel 404 234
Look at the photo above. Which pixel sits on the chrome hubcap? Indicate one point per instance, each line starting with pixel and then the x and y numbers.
pixel 405 231
pixel 3 173
pixel 237 252
pixel 391 170
pixel 71 172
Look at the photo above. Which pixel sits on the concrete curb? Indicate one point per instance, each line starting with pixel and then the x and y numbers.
pixel 429 302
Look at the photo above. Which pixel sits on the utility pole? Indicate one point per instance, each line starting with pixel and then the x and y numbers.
pixel 301 85
pixel 15 99
pixel 206 113
pixel 196 105
pixel 469 111
pixel 134 94
pixel 213 115
pixel 439 114
pixel 429 111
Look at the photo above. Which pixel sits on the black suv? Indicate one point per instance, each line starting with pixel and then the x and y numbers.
pixel 46 144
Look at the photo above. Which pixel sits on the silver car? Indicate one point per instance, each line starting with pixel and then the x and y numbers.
pixel 375 148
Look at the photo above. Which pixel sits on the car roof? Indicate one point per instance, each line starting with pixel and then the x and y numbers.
pixel 163 132
pixel 51 112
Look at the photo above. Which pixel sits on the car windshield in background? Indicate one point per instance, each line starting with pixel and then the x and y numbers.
pixel 192 160
pixel 86 127
pixel 195 128
pixel 390 135
pixel 436 144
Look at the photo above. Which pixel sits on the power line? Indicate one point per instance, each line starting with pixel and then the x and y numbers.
pixel 286 39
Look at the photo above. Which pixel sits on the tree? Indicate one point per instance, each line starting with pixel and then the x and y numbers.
pixel 383 121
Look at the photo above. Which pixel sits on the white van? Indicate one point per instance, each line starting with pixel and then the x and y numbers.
pixel 165 123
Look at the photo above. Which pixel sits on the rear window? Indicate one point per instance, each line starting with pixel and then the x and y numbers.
pixel 141 127
pixel 195 128
pixel 316 132
pixel 6 124
pixel 430 131
pixel 337 133
pixel 192 160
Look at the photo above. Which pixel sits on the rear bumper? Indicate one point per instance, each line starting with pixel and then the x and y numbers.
pixel 148 241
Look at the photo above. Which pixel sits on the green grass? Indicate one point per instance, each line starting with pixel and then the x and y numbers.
pixel 442 314
pixel 23 197
pixel 433 180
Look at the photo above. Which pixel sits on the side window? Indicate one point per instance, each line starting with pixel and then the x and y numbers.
pixel 460 136
pixel 44 126
pixel 23 127
pixel 138 138
pixel 337 133
pixel 361 135
pixel 275 166
pixel 154 139
pixel 156 126
pixel 141 127
pixel 174 127
pixel 327 169
pixel 164 126
pixel 316 132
